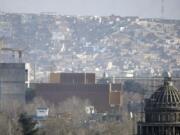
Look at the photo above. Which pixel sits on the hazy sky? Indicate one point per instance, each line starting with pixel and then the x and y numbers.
pixel 142 8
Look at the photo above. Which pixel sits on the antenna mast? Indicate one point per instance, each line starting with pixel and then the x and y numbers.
pixel 162 9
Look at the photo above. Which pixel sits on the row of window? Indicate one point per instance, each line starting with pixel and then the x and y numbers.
pixel 162 117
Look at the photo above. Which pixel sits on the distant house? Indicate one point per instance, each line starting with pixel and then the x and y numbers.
pixel 42 112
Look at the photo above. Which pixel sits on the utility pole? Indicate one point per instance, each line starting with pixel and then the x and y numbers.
pixel 34 72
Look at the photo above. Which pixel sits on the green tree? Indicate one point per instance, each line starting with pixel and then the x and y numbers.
pixel 28 124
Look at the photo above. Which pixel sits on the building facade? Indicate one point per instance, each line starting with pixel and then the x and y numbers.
pixel 12 84
pixel 162 111
pixel 72 78
pixel 62 86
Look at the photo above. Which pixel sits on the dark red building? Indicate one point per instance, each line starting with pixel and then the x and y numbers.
pixel 72 78
pixel 62 86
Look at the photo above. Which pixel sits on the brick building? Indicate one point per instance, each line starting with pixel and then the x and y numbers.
pixel 101 96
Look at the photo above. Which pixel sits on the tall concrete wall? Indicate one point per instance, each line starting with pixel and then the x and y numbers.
pixel 12 84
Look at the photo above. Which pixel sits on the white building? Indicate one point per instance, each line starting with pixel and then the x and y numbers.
pixel 42 112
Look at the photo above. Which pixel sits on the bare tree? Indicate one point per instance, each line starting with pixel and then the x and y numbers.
pixel 76 108
pixel 69 117
pixel 3 124
pixel 9 126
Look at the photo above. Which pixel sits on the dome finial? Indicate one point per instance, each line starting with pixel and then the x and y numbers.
pixel 167 78
pixel 166 74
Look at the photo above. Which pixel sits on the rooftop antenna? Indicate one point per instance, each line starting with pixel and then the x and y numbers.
pixel 162 9
pixel 162 14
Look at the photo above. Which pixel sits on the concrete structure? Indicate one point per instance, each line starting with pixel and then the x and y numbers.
pixel 12 84
pixel 28 70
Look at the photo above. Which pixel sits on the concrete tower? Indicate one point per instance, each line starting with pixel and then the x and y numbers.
pixel 12 84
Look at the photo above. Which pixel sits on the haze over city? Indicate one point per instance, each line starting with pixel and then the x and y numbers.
pixel 89 67
pixel 141 8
